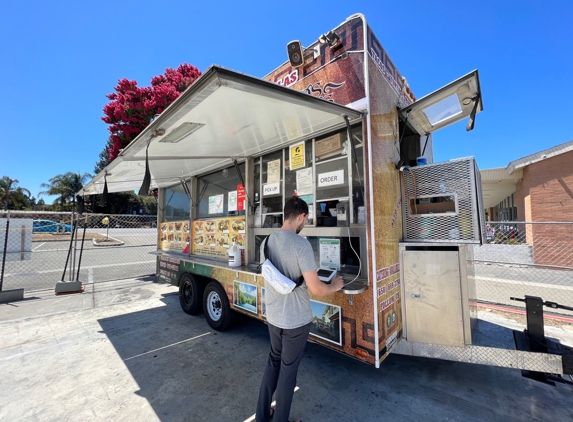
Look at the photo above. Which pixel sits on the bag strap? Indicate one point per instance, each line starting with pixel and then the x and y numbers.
pixel 266 252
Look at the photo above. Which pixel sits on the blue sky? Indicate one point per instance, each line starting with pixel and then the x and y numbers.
pixel 60 59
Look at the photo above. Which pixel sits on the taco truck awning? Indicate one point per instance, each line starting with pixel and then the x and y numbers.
pixel 223 115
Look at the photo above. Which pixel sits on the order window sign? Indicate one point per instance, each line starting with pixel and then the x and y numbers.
pixel 271 189
pixel 331 178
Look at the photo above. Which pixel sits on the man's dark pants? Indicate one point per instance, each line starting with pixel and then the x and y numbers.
pixel 287 348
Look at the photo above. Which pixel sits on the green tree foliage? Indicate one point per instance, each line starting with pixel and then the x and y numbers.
pixel 64 187
pixel 13 196
pixel 126 202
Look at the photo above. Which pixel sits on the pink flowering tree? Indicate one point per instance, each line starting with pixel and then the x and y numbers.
pixel 132 107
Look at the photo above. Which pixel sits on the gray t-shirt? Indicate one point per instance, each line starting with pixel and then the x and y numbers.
pixel 292 255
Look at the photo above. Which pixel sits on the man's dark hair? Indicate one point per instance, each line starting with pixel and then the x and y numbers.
pixel 294 207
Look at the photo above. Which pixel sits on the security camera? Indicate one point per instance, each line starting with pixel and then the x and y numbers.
pixel 329 38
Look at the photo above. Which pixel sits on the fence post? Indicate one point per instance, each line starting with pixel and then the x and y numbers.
pixel 5 250
pixel 73 268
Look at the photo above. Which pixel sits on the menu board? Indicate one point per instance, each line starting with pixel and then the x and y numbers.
pixel 215 236
pixel 174 236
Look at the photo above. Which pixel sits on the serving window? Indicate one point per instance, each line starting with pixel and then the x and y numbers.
pixel 321 171
pixel 177 204
pixel 221 194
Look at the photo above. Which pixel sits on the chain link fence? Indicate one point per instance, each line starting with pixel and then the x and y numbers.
pixel 526 258
pixel 38 248
pixel 519 258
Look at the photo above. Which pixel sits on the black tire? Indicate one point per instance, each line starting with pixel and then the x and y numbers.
pixel 190 294
pixel 61 229
pixel 218 312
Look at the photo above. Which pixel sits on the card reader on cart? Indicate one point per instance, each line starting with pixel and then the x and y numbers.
pixel 342 214
pixel 326 275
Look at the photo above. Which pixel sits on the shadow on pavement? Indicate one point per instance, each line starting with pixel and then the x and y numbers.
pixel 188 372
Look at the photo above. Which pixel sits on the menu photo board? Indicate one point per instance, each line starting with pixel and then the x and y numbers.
pixel 174 236
pixel 214 237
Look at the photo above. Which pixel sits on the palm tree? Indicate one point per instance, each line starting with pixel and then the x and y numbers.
pixel 21 199
pixel 9 186
pixel 65 186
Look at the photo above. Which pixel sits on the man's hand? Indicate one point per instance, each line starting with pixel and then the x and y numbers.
pixel 318 288
pixel 337 283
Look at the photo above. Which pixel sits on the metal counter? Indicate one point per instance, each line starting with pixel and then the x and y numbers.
pixel 350 287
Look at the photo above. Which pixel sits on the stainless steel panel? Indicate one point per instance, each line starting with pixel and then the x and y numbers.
pixel 465 302
pixel 432 296
pixel 471 283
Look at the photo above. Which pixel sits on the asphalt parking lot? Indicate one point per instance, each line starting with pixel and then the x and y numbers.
pixel 124 350
pixel 45 264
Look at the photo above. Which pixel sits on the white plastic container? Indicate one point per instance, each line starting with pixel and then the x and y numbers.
pixel 234 256
pixel 361 215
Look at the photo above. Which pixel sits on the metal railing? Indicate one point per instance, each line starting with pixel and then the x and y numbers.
pixel 525 258
pixel 38 248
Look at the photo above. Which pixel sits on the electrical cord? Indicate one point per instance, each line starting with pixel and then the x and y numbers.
pixel 357 256
pixel 406 188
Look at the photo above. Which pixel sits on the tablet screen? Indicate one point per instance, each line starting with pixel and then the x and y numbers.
pixel 324 273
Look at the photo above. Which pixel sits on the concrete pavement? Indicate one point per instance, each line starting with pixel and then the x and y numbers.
pixel 125 351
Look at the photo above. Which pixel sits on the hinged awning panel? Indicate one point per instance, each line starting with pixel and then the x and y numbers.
pixel 449 104
pixel 223 115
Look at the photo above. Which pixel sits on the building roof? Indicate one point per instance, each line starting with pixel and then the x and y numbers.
pixel 499 183
pixel 538 156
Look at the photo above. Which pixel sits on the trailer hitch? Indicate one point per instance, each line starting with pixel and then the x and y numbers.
pixel 533 338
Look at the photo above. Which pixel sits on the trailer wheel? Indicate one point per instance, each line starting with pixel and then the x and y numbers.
pixel 190 294
pixel 218 312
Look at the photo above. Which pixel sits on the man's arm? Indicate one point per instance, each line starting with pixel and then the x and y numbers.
pixel 318 288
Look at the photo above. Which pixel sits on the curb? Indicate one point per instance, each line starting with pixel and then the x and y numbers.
pixel 117 242
pixel 521 311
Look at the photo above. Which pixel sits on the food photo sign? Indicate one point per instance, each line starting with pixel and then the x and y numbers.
pixel 214 237
pixel 174 236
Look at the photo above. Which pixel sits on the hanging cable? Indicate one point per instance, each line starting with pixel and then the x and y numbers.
pixel 357 256
pixel 406 188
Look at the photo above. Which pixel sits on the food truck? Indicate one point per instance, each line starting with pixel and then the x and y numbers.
pixel 337 125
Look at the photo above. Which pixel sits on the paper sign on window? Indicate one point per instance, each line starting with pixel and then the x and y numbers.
pixel 240 197
pixel 271 189
pixel 331 178
pixel 330 253
pixel 274 171
pixel 297 156
pixel 216 204
pixel 232 201
pixel 304 182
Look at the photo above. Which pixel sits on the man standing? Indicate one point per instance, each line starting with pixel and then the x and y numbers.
pixel 289 316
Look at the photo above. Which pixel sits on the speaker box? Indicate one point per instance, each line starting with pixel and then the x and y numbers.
pixel 295 57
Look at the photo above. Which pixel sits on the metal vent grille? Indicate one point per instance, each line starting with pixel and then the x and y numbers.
pixel 442 204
